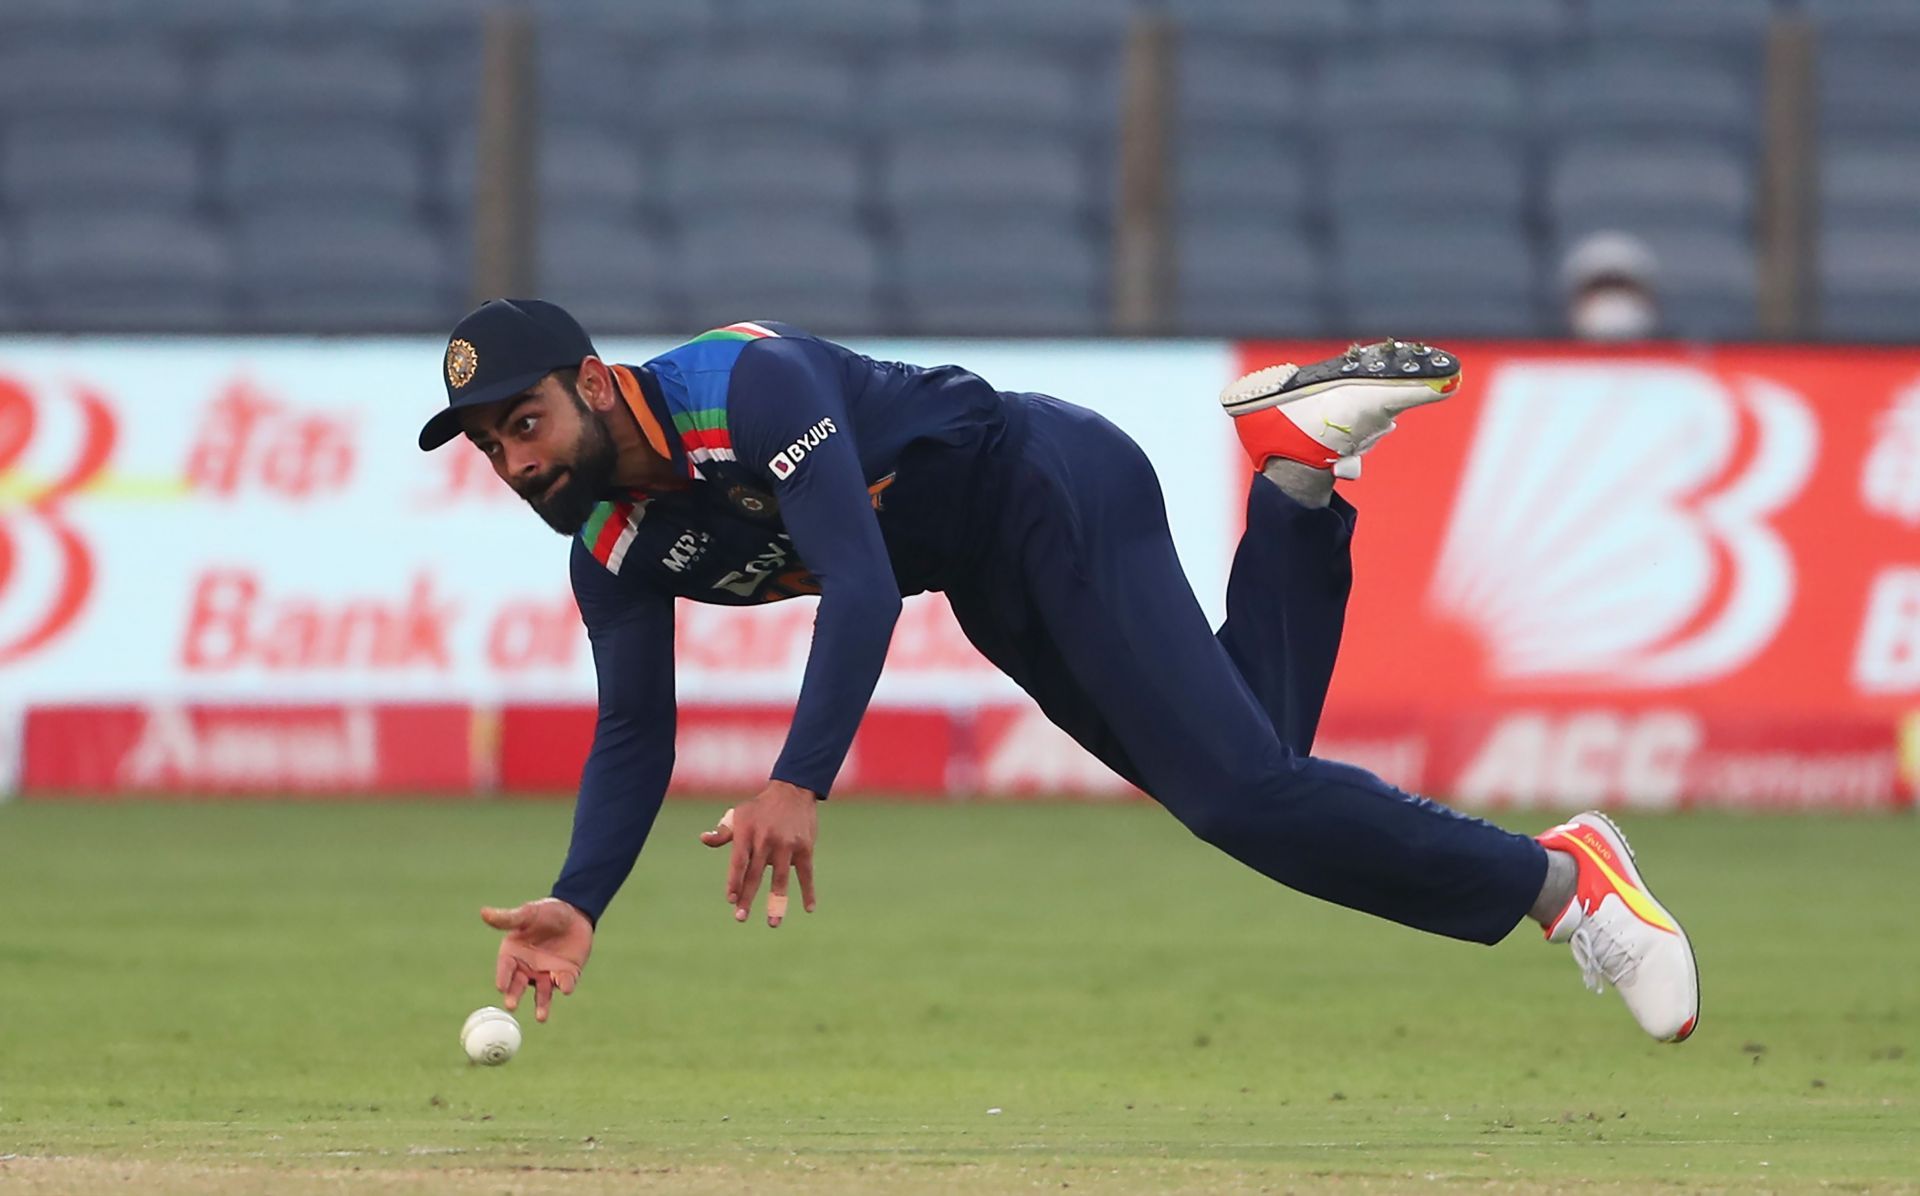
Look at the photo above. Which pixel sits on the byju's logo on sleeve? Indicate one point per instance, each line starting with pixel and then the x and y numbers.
pixel 788 459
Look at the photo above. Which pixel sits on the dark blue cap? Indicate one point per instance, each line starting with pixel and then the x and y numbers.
pixel 498 350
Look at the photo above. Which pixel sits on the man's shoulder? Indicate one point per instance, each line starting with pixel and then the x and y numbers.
pixel 719 348
pixel 696 375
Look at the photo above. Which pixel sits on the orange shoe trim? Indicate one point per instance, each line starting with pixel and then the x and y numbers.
pixel 1585 841
pixel 1267 434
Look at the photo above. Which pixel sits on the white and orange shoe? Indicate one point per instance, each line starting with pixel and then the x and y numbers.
pixel 1327 414
pixel 1620 934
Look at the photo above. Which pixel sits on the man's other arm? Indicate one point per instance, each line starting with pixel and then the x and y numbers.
pixel 785 392
pixel 626 774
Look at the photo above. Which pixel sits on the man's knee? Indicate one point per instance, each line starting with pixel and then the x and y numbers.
pixel 1227 814
pixel 1216 823
pixel 1224 819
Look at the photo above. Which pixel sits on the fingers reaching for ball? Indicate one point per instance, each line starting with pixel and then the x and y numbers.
pixel 544 984
pixel 546 945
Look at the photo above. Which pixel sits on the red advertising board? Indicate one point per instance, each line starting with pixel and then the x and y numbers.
pixel 731 749
pixel 1655 576
pixel 96 751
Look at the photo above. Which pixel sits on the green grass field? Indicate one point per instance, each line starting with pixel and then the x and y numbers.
pixel 222 999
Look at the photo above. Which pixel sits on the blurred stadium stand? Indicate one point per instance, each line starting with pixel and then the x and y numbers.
pixel 932 166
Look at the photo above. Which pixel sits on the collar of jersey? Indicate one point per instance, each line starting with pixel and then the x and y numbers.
pixel 649 410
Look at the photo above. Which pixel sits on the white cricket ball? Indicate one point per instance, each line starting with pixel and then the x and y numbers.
pixel 490 1037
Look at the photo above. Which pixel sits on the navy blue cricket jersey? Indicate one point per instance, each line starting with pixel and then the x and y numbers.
pixel 813 470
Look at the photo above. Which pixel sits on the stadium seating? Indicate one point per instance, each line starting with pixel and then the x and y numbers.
pixel 1707 283
pixel 1867 90
pixel 1247 276
pixel 667 128
pixel 588 171
pixel 998 151
pixel 70 163
pixel 1220 88
pixel 332 271
pixel 663 20
pixel 803 173
pixel 1840 20
pixel 117 271
pixel 585 171
pixel 337 81
pixel 445 81
pixel 118 76
pixel 1467 179
pixel 1706 277
pixel 1613 182
pixel 815 271
pixel 1302 22
pixel 1524 26
pixel 1705 22
pixel 1868 286
pixel 592 75
pixel 1469 279
pixel 848 23
pixel 369 168
pixel 727 91
pixel 1088 26
pixel 9 307
pixel 608 272
pixel 1642 93
pixel 1871 180
pixel 969 273
pixel 1398 92
pixel 1241 174
pixel 1868 194
pixel 934 175
pixel 979 89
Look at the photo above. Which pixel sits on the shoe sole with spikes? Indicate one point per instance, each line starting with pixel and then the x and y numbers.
pixel 1404 365
pixel 1326 415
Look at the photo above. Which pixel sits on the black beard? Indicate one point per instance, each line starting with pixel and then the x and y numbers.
pixel 588 477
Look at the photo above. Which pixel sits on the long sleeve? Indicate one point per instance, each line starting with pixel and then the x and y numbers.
pixel 626 774
pixel 790 421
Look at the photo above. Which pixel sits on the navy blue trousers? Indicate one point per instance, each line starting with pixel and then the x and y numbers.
pixel 1082 601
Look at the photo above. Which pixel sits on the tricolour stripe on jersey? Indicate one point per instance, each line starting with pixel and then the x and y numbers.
pixel 746 330
pixel 703 430
pixel 610 530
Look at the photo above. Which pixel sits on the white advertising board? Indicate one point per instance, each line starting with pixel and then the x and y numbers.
pixel 250 520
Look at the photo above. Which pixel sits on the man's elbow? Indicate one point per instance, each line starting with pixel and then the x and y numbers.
pixel 872 604
pixel 885 608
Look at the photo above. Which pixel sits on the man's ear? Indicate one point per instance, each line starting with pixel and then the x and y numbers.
pixel 596 385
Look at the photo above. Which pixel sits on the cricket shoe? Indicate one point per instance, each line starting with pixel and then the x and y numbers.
pixel 1620 934
pixel 1327 414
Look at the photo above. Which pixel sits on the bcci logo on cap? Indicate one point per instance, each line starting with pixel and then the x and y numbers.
pixel 462 363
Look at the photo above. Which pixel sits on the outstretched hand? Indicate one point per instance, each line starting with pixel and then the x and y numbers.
pixel 774 829
pixel 547 944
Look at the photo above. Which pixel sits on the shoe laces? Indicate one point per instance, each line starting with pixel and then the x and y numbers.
pixel 1603 954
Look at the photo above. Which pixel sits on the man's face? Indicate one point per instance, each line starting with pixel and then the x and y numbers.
pixel 550 447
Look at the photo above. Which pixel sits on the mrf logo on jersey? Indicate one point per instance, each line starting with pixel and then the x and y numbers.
pixel 788 459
